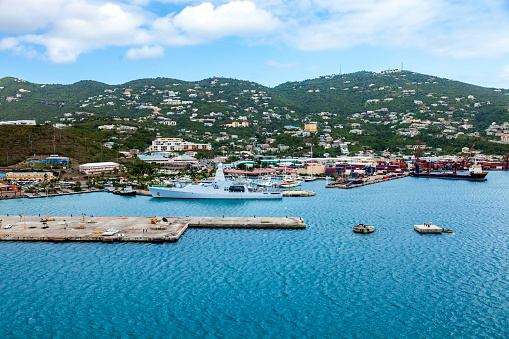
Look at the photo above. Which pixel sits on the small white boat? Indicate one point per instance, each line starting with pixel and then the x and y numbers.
pixel 289 183
pixel 267 183
pixel 310 178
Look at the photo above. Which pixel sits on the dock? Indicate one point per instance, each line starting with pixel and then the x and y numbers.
pixel 156 229
pixel 431 229
pixel 367 181
pixel 298 193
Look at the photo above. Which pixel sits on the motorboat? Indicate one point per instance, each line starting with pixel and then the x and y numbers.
pixel 289 183
pixel 218 188
pixel 127 191
pixel 268 182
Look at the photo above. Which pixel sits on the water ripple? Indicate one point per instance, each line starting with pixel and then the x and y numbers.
pixel 324 281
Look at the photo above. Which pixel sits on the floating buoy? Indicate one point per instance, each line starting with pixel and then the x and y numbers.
pixel 363 229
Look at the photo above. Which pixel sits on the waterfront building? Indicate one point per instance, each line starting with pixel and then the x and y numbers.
pixel 99 167
pixel 32 176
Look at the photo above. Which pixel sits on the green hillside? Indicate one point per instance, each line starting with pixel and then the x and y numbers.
pixel 17 143
pixel 388 109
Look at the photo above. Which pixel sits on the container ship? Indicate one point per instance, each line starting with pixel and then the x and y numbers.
pixel 475 173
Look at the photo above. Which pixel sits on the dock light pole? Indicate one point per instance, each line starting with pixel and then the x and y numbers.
pixel 47 202
pixel 24 221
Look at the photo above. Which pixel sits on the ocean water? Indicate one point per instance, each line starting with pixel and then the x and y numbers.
pixel 325 281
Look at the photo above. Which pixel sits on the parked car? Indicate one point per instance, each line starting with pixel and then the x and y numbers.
pixel 8 226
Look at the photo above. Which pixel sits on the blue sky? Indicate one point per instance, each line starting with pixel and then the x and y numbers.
pixel 266 41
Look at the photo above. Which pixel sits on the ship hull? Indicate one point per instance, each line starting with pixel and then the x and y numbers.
pixel 170 193
pixel 452 176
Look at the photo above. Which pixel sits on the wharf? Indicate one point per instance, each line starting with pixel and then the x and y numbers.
pixel 18 195
pixel 127 229
pixel 298 193
pixel 431 229
pixel 368 181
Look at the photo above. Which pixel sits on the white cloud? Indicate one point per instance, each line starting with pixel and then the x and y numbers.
pixel 238 18
pixel 275 64
pixel 505 73
pixel 382 23
pixel 82 27
pixel 26 16
pixel 13 45
pixel 145 52
pixel 447 28
pixel 68 28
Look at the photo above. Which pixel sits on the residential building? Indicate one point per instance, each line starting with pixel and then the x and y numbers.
pixel 238 124
pixel 310 127
pixel 176 144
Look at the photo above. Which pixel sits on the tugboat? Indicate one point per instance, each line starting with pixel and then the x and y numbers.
pixel 363 229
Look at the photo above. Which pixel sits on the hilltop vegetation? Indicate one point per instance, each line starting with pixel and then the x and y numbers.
pixel 17 143
pixel 364 110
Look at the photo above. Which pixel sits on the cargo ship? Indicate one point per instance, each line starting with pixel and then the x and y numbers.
pixel 475 173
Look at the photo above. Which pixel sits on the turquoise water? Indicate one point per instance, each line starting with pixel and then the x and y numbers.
pixel 324 281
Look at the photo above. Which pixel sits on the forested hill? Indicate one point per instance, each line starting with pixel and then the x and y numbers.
pixel 17 143
pixel 375 110
pixel 338 94
pixel 396 91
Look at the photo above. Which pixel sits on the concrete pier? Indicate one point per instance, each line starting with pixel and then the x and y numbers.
pixel 431 229
pixel 298 193
pixel 367 181
pixel 127 229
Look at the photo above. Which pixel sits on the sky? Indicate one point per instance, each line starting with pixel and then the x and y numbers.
pixel 266 41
